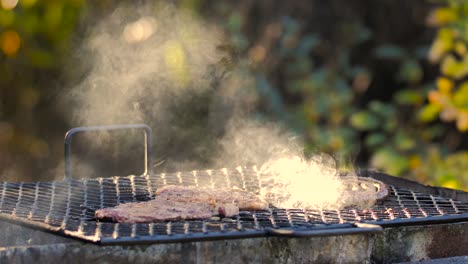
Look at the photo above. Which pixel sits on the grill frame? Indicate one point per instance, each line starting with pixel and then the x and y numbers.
pixel 20 203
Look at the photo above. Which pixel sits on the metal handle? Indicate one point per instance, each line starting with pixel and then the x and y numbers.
pixel 333 230
pixel 68 140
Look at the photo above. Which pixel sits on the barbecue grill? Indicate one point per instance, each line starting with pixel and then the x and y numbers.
pixel 67 207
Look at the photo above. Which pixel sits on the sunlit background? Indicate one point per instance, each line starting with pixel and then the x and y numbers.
pixel 375 84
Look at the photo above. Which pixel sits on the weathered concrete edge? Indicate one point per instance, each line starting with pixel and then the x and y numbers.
pixel 395 244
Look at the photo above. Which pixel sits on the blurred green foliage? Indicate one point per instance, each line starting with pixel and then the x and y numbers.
pixel 314 81
pixel 35 38
pixel 356 78
pixel 450 98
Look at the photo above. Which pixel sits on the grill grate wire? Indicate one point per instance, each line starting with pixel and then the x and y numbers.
pixel 67 207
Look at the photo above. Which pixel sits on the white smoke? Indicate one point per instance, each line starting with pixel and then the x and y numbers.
pixel 162 66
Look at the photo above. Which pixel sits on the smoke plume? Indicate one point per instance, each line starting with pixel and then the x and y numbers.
pixel 164 67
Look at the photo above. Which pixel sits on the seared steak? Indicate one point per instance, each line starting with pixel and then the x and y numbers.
pixel 174 203
pixel 243 199
pixel 163 210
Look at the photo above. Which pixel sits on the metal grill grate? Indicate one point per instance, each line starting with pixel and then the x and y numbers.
pixel 67 207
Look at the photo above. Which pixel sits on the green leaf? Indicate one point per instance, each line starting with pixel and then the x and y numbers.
pixel 460 97
pixel 390 161
pixel 409 97
pixel 404 142
pixel 454 68
pixel 429 113
pixel 364 120
pixel 307 44
pixel 27 3
pixel 457 163
pixel 41 58
pixel 382 109
pixel 389 51
pixel 7 17
pixel 53 15
pixel 410 71
pixel 235 22
pixel 344 92
pixel 390 124
pixel 30 23
pixel 375 139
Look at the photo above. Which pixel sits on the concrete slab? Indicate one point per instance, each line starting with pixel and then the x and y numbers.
pixel 394 244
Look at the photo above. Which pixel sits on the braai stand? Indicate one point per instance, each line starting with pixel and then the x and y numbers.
pixel 53 222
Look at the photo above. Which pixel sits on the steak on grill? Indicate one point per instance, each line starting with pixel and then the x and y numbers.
pixel 174 203
pixel 243 199
pixel 163 210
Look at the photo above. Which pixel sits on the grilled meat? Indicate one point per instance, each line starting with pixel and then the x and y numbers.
pixel 163 210
pixel 174 203
pixel 243 199
pixel 154 210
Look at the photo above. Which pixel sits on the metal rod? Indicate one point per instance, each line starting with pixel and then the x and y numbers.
pixel 342 229
pixel 148 142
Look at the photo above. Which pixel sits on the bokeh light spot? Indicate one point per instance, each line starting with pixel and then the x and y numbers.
pixel 175 58
pixel 257 53
pixel 140 30
pixel 10 43
pixel 8 4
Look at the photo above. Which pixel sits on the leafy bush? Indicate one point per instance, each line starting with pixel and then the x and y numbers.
pixel 450 98
pixel 317 84
pixel 35 38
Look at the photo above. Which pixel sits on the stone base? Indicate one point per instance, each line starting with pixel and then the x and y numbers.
pixel 394 244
